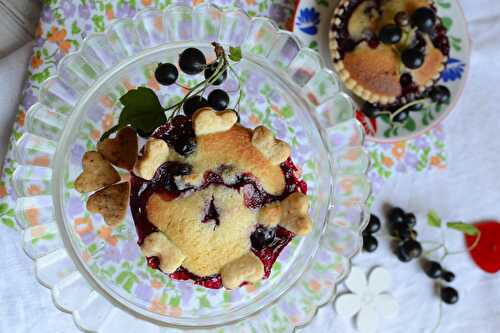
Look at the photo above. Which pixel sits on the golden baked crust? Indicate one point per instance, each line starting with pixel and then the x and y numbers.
pixel 376 70
pixel 207 247
pixel 207 229
pixel 234 150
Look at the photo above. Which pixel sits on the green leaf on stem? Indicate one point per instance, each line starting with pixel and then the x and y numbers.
pixel 235 53
pixel 465 228
pixel 433 219
pixel 141 110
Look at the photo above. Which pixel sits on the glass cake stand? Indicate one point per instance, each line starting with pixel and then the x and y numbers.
pixel 97 273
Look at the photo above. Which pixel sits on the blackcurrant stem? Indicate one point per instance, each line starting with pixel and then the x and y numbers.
pixel 183 87
pixel 430 242
pixel 472 247
pixel 440 314
pixel 237 105
pixel 426 253
pixel 406 106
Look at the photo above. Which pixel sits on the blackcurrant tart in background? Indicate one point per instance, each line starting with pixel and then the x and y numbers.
pixel 390 53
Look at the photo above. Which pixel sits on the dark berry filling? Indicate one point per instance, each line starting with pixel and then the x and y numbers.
pixel 266 243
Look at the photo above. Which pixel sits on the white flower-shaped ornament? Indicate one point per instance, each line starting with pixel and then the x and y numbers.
pixel 368 299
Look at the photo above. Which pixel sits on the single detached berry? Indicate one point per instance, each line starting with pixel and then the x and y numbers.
pixel 166 74
pixel 370 243
pixel 396 215
pixel 218 99
pixel 402 255
pixel 373 225
pixel 262 237
pixel 194 103
pixel 412 248
pixel 402 19
pixel 410 220
pixel 210 71
pixel 448 276
pixel 390 34
pixel 402 116
pixel 449 295
pixel 192 61
pixel 424 19
pixel 440 94
pixel 433 269
pixel 413 58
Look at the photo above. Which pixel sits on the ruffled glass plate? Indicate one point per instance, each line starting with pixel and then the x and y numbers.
pixel 97 273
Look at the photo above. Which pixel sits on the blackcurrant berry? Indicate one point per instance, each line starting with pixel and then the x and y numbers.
pixel 424 19
pixel 410 220
pixel 192 61
pixel 413 58
pixel 401 231
pixel 396 215
pixel 402 116
pixel 218 99
pixel 370 243
pixel 390 34
pixel 166 74
pixel 194 103
pixel 440 94
pixel 449 295
pixel 262 237
pixel 402 19
pixel 210 71
pixel 448 276
pixel 433 269
pixel 402 255
pixel 405 80
pixel 373 225
pixel 186 146
pixel 412 248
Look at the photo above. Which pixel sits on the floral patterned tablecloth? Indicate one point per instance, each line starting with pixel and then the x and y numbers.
pixel 65 23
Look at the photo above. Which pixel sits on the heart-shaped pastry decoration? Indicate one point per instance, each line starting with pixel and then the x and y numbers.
pixel 111 202
pixel 294 216
pixel 122 150
pixel 275 150
pixel 97 173
pixel 158 245
pixel 155 154
pixel 486 254
pixel 247 268
pixel 207 121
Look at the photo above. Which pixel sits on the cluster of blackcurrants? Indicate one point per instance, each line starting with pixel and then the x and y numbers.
pixel 192 61
pixel 406 247
pixel 423 19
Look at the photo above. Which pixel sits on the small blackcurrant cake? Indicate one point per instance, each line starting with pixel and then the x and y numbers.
pixel 388 52
pixel 216 202
pixel 212 201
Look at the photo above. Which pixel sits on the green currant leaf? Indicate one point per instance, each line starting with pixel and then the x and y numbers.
pixel 141 110
pixel 433 219
pixel 465 228
pixel 235 53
